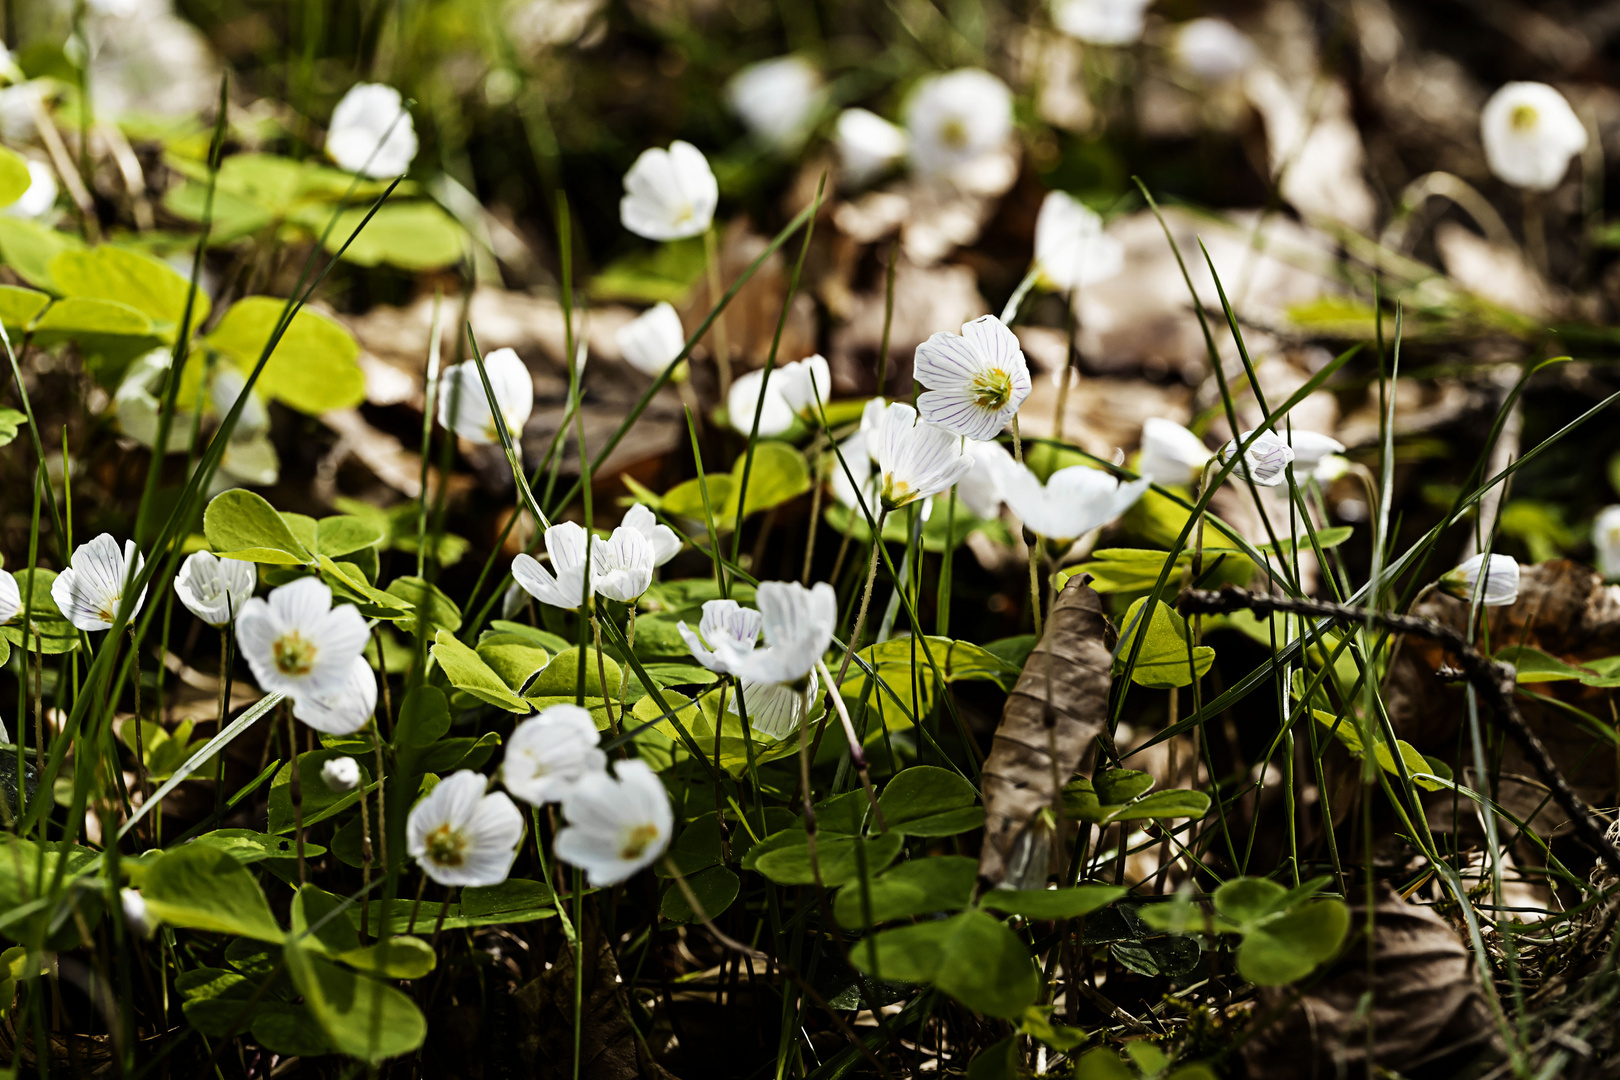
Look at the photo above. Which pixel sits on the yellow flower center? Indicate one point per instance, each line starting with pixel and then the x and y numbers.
pixel 953 133
pixel 445 846
pixel 1523 117
pixel 293 655
pixel 637 840
pixel 992 389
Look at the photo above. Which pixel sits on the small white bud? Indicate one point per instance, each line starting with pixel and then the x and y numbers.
pixel 341 774
pixel 140 920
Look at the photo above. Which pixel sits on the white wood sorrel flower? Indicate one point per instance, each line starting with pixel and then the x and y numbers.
pixel 798 627
pixel 1266 460
pixel 90 590
pixel 652 340
pixel 563 586
pixel 1501 574
pixel 915 460
pixel 794 390
pixel 1605 544
pixel 669 194
pixel 464 406
pixel 617 824
pixel 1171 454
pixel 868 145
pixel 341 774
pixel 1100 22
pixel 460 835
pixel 1211 49
pixel 371 132
pixel 726 625
pixel 957 118
pixel 1071 503
pixel 1530 134
pixel 10 597
pixel 777 100
pixel 549 752
pixel 850 469
pixel 345 710
pixel 976 379
pixel 297 643
pixel 1071 247
pixel 666 543
pixel 774 709
pixel 214 589
pixel 622 565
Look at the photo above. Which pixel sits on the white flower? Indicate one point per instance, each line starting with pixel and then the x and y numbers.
pixel 297 643
pixel 915 460
pixel 462 836
pixel 1530 133
pixel 798 627
pixel 461 389
pixel 341 774
pixel 726 627
pixel 957 118
pixel 1212 49
pixel 549 751
pixel 794 390
pixel 616 824
pixel 1605 541
pixel 652 340
pixel 40 197
pixel 1501 580
pixel 1310 448
pixel 1266 460
pixel 345 710
pixel 228 384
pixel 10 597
pixel 214 589
pixel 669 194
pixel 981 489
pixel 778 100
pixel 114 8
pixel 774 709
pixel 856 455
pixel 868 145
pixel 138 408
pixel 371 132
pixel 90 590
pixel 1072 502
pixel 976 380
pixel 1071 247
pixel 1170 453
pixel 666 543
pixel 1101 22
pixel 136 914
pixel 563 586
pixel 622 565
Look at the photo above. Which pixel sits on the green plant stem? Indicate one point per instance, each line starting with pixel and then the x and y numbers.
pixel 722 352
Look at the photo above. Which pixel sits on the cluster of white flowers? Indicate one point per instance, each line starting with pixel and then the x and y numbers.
pixel 621 565
pixel 464 404
pixel 794 391
pixel 299 644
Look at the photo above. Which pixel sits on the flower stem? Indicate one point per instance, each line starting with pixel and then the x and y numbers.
pixel 1035 581
pixel 140 743
pixel 296 787
pixel 722 353
pixel 857 754
pixel 866 594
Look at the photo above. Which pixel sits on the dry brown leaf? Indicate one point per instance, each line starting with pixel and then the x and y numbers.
pixel 1058 707
pixel 926 300
pixel 1429 1014
pixel 1494 272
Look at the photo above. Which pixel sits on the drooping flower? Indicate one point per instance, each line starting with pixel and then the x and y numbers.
pixel 957 118
pixel 778 100
pixel 617 824
pixel 1071 503
pixel 549 752
pixel 652 340
pixel 345 710
pixel 137 915
pixel 1605 542
pixel 1100 22
pixel 976 380
pixel 563 586
pixel 214 589
pixel 622 565
pixel 1266 460
pixel 10 597
pixel 797 624
pixel 1212 49
pixel 794 390
pixel 868 145
pixel 371 133
pixel 666 543
pixel 915 460
pixel 726 627
pixel 460 835
pixel 1501 573
pixel 1071 247
pixel 40 197
pixel 341 774
pixel 669 194
pixel 297 643
pixel 90 590
pixel 464 406
pixel 1171 454
pixel 1310 448
pixel 981 490
pixel 1530 134
pixel 774 709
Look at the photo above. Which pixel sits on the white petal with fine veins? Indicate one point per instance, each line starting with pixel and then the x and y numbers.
pixel 617 824
pixel 774 709
pixel 461 836
pixel 1071 503
pixel 622 565
pixel 976 380
pixel 725 625
pixel 669 194
pixel 10 597
pixel 666 543
pixel 214 589
pixel 563 586
pixel 90 590
pixel 345 710
pixel 549 752
pixel 464 403
pixel 915 459
pixel 797 624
